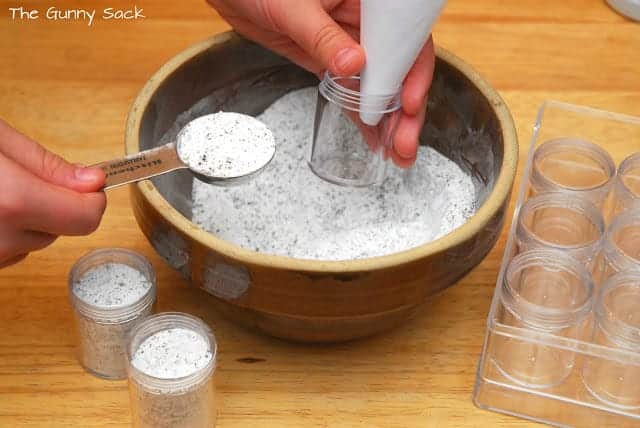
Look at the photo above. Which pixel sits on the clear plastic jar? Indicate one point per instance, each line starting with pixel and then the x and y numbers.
pixel 102 325
pixel 184 400
pixel 563 222
pixel 627 185
pixel 572 165
pixel 344 149
pixel 543 292
pixel 616 380
pixel 621 248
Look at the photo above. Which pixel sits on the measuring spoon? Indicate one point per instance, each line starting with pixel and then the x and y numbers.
pixel 221 148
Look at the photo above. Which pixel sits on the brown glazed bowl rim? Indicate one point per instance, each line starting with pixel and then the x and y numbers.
pixel 473 226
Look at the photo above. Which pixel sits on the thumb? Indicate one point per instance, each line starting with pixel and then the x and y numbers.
pixel 47 165
pixel 309 25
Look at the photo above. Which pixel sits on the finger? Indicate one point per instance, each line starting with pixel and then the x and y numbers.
pixel 354 32
pixel 402 162
pixel 418 81
pixel 278 43
pixel 13 260
pixel 61 211
pixel 29 203
pixel 297 55
pixel 34 241
pixel 46 165
pixel 16 243
pixel 345 12
pixel 405 144
pixel 370 134
pixel 308 24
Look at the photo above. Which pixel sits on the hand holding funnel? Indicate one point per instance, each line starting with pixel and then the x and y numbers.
pixel 392 34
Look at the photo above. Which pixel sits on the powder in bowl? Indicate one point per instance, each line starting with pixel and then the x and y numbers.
pixel 287 210
pixel 225 145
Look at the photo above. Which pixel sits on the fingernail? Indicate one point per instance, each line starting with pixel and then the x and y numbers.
pixel 345 60
pixel 406 154
pixel 86 174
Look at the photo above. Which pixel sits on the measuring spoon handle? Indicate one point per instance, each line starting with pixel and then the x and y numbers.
pixel 140 166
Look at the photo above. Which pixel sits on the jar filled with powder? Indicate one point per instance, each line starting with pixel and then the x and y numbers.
pixel 111 290
pixel 171 362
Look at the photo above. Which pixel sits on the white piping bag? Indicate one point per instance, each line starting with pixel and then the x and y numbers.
pixel 392 33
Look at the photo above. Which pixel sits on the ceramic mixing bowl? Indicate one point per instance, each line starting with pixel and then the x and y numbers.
pixel 307 300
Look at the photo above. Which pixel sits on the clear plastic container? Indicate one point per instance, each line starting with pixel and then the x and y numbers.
pixel 544 291
pixel 573 165
pixel 102 330
pixel 563 222
pixel 616 382
pixel 172 402
pixel 627 185
pixel 622 244
pixel 543 392
pixel 345 150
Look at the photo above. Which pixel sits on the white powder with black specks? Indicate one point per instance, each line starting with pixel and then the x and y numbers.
pixel 287 210
pixel 111 285
pixel 172 399
pixel 225 145
pixel 172 354
pixel 109 299
pixel 102 345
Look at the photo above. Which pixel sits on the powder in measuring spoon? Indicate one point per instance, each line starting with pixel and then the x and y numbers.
pixel 111 285
pixel 225 145
pixel 172 354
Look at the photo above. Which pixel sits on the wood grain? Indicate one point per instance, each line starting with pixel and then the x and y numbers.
pixel 70 87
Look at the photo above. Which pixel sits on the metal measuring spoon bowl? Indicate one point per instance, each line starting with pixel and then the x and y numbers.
pixel 237 146
pixel 220 148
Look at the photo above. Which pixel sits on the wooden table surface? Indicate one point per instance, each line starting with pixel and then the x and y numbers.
pixel 70 85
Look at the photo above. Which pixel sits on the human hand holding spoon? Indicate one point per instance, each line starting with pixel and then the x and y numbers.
pixel 221 148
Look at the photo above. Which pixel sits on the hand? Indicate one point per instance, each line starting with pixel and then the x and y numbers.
pixel 42 197
pixel 322 34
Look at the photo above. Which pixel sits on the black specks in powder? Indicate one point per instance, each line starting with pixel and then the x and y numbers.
pixel 287 210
